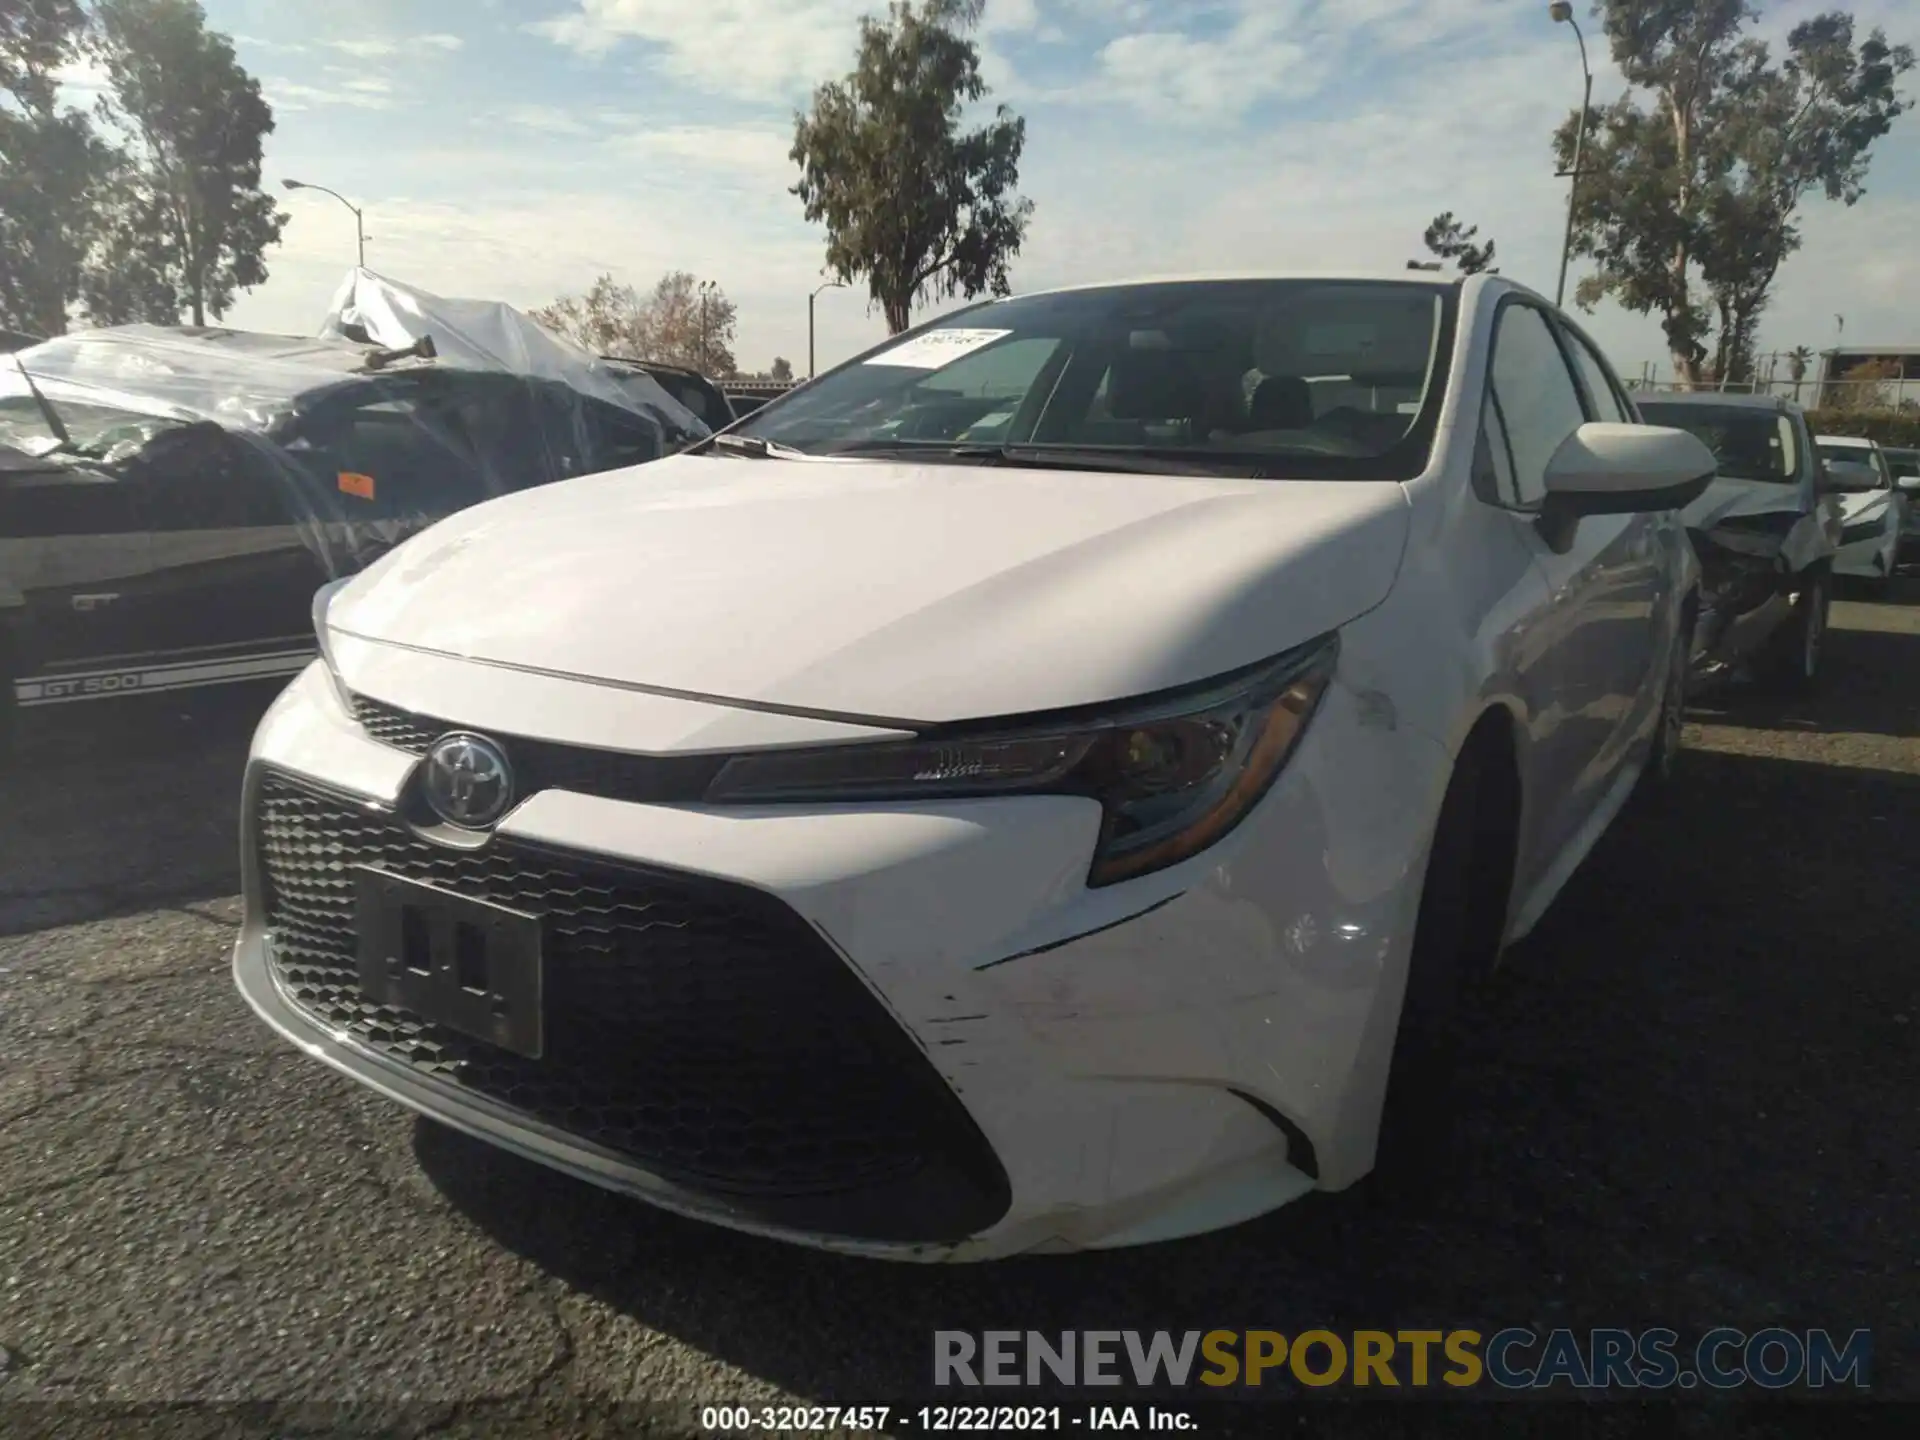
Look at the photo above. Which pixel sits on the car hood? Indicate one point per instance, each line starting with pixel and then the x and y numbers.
pixel 1730 498
pixel 888 590
pixel 1860 505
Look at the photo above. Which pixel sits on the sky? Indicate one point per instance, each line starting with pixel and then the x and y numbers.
pixel 516 149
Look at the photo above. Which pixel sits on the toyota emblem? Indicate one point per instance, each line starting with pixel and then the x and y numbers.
pixel 468 781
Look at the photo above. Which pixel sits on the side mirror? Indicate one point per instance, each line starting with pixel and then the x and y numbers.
pixel 1909 484
pixel 1609 469
pixel 1851 476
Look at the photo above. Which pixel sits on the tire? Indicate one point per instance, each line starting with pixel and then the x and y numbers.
pixel 1456 944
pixel 1794 656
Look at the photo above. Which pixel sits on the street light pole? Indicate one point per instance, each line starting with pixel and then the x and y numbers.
pixel 707 287
pixel 830 285
pixel 1562 12
pixel 359 217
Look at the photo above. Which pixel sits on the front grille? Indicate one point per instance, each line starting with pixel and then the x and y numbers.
pixel 701 1028
pixel 399 728
pixel 544 765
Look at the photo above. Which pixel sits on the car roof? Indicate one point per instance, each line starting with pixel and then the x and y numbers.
pixel 1854 442
pixel 1736 399
pixel 348 357
pixel 659 367
pixel 1401 277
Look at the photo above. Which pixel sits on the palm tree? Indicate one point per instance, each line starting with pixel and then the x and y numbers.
pixel 1798 359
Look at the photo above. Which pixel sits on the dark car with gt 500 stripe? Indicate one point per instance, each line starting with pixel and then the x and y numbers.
pixel 171 499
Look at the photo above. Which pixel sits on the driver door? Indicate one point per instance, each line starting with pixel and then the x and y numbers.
pixel 74 556
pixel 1589 673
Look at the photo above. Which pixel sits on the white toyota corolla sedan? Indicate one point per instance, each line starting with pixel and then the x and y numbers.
pixel 1026 790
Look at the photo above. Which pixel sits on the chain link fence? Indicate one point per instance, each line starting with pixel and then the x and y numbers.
pixel 1773 375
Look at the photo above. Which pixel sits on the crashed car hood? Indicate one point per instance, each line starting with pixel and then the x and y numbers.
pixel 880 589
pixel 1729 498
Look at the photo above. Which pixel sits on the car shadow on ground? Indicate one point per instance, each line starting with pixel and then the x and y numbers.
pixel 111 808
pixel 1675 1117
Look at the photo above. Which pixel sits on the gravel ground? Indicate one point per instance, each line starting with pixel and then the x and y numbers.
pixel 1695 1106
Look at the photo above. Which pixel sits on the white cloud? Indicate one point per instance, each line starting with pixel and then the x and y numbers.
pixel 547 119
pixel 1010 17
pixel 379 48
pixel 365 49
pixel 296 95
pixel 1174 77
pixel 276 47
pixel 750 49
pixel 754 154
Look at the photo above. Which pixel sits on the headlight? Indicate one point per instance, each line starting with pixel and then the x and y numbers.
pixel 323 600
pixel 1173 774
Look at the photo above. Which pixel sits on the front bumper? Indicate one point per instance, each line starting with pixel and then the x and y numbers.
pixel 1136 1063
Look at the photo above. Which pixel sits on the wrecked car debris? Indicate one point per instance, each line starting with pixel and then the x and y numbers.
pixel 1765 532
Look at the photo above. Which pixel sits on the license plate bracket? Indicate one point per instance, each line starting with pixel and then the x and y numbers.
pixel 467 964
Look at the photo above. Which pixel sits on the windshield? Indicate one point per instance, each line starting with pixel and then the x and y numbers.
pixel 1854 455
pixel 100 432
pixel 1303 378
pixel 1749 444
pixel 1905 464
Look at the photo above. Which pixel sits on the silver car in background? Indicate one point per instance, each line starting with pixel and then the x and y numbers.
pixel 1766 532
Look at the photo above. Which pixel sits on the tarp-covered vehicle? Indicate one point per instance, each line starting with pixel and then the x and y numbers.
pixel 688 386
pixel 1765 532
pixel 171 498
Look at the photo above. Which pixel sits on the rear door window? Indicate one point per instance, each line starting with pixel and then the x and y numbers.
pixel 391 457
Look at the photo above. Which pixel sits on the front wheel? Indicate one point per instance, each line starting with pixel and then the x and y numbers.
pixel 1795 654
pixel 1463 912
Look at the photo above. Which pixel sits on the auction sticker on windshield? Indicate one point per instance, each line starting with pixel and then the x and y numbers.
pixel 936 348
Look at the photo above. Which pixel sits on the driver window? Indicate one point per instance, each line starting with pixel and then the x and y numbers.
pixel 197 477
pixel 1536 396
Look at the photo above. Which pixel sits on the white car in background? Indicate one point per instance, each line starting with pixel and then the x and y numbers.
pixel 1873 508
pixel 1028 790
pixel 1905 465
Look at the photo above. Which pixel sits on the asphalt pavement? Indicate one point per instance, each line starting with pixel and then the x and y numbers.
pixel 1694 1104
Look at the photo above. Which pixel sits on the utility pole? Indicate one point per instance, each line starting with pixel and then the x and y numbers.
pixel 830 285
pixel 359 217
pixel 1562 12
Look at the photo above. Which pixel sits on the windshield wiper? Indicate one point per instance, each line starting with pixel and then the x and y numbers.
pixel 1132 460
pixel 751 445
pixel 47 412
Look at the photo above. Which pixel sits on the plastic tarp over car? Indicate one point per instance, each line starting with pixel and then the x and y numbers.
pixel 487 335
pixel 405 408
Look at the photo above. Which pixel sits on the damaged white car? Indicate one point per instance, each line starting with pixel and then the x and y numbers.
pixel 1026 790
pixel 1873 508
pixel 1766 532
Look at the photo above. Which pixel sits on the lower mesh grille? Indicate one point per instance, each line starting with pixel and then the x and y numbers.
pixel 702 1029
